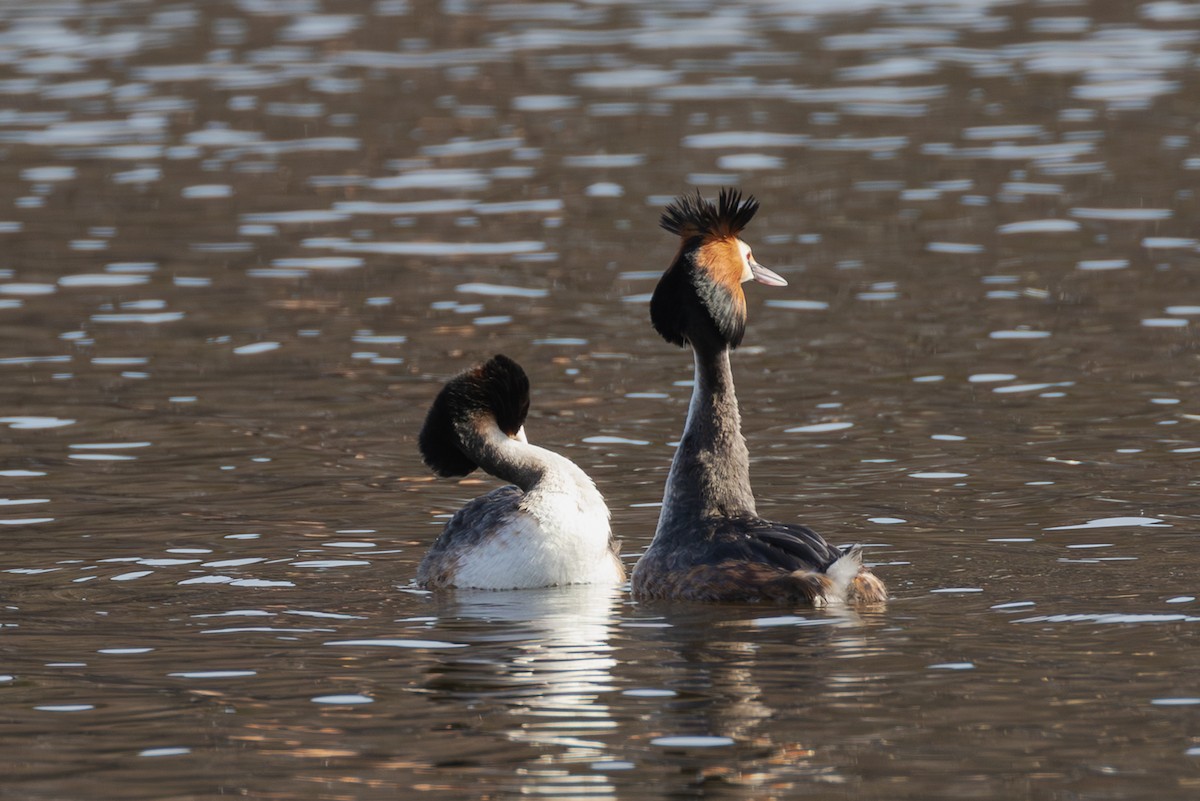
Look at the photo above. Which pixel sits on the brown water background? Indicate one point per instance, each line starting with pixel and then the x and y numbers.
pixel 245 242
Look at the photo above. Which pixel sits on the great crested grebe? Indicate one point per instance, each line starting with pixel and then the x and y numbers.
pixel 710 544
pixel 550 528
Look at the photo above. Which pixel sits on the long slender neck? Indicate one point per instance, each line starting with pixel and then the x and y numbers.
pixel 520 463
pixel 710 475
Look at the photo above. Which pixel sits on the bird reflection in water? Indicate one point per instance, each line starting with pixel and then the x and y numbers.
pixel 535 666
pixel 713 729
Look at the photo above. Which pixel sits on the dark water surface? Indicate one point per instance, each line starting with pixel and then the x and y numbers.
pixel 244 242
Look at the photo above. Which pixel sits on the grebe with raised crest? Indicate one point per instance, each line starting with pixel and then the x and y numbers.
pixel 549 527
pixel 710 543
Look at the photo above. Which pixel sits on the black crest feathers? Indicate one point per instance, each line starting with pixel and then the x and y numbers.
pixel 497 388
pixel 692 215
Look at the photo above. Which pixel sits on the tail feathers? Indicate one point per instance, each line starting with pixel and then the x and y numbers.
pixel 843 572
pixel 868 588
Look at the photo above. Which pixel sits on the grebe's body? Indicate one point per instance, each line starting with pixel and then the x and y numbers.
pixel 710 544
pixel 550 528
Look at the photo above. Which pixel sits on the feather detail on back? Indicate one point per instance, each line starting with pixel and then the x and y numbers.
pixel 508 540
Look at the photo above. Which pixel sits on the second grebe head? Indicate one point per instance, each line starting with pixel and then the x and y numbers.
pixel 699 299
pixel 492 393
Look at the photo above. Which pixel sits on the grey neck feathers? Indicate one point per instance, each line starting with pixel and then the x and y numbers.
pixel 710 475
pixel 527 466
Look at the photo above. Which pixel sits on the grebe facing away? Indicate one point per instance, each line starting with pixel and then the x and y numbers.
pixel 550 528
pixel 710 544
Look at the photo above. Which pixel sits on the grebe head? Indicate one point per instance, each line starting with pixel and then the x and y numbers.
pixel 699 299
pixel 492 393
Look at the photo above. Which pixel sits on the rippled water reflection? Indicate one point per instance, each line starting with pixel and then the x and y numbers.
pixel 245 242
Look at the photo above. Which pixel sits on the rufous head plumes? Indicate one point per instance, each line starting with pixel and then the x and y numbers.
pixel 699 300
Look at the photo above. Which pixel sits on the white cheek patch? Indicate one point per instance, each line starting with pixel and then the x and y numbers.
pixel 744 250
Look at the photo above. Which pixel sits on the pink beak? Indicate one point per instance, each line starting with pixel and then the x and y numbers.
pixel 764 276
